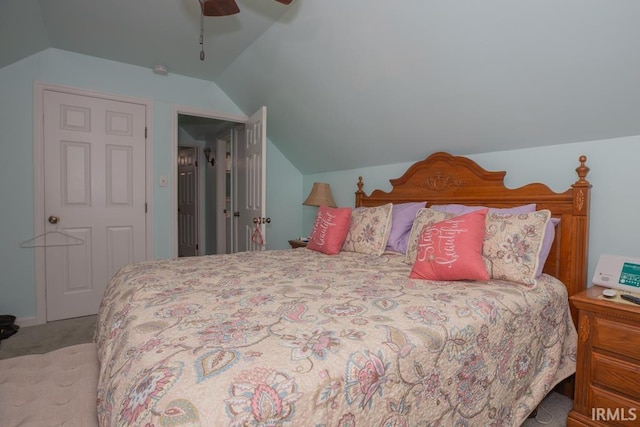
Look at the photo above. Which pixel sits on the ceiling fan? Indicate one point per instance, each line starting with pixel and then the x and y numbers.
pixel 225 7
pixel 219 8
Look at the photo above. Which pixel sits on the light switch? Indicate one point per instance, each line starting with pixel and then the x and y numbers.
pixel 163 181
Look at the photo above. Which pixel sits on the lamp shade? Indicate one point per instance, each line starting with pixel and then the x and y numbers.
pixel 320 195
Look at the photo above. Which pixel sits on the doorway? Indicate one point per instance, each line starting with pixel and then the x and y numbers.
pixel 203 184
pixel 231 170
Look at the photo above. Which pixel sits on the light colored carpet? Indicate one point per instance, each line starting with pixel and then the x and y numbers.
pixel 552 412
pixel 51 336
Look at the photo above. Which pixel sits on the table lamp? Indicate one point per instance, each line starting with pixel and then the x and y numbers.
pixel 320 195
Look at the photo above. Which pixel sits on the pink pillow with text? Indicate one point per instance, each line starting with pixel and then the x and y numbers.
pixel 329 230
pixel 452 249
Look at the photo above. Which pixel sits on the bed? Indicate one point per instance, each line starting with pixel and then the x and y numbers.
pixel 298 337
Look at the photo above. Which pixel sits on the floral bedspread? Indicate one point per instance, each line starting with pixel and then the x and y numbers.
pixel 299 338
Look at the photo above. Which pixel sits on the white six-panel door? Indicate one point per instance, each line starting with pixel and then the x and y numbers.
pixel 251 183
pixel 95 184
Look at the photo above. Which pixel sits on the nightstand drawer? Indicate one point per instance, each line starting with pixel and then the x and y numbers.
pixel 617 337
pixel 613 410
pixel 616 374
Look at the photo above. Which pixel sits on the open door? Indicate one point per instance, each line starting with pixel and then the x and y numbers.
pixel 250 189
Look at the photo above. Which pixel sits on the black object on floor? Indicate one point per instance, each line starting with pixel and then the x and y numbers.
pixel 7 326
pixel 6 319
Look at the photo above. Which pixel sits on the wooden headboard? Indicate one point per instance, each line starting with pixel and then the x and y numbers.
pixel 442 178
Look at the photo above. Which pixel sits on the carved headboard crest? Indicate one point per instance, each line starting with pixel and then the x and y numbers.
pixel 442 181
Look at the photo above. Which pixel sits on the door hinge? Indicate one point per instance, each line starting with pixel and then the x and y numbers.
pixel 145 207
pixel 195 163
pixel 145 132
pixel 197 247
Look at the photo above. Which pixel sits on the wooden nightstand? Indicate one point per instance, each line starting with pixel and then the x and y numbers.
pixel 607 387
pixel 297 244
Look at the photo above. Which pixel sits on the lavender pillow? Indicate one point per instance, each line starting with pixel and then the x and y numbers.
pixel 547 241
pixel 402 216
pixel 463 209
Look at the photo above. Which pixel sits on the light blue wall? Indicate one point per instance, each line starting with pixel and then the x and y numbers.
pixel 614 176
pixel 17 276
pixel 17 281
pixel 284 189
pixel 614 172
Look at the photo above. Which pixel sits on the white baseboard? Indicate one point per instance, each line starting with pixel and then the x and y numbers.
pixel 27 321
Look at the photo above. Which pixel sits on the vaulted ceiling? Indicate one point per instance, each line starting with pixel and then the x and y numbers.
pixel 356 83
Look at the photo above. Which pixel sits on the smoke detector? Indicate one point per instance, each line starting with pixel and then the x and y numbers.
pixel 161 70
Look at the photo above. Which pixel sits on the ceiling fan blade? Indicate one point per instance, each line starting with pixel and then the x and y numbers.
pixel 219 7
pixel 285 1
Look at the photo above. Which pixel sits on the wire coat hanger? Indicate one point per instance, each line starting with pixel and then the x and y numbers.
pixel 69 240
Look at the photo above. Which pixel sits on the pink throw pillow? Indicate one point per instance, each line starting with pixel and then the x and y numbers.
pixel 452 249
pixel 329 230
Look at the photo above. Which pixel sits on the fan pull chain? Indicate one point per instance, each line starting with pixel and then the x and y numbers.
pixel 201 36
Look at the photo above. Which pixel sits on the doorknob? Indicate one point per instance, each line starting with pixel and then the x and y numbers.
pixel 263 220
pixel 53 219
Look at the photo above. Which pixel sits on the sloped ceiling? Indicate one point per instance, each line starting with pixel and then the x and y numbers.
pixel 356 83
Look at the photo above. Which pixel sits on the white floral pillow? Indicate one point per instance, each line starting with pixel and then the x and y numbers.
pixel 512 245
pixel 424 216
pixel 369 230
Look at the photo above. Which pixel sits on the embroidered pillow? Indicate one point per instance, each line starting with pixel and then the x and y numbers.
pixel 402 217
pixel 425 216
pixel 512 245
pixel 329 230
pixel 452 249
pixel 369 230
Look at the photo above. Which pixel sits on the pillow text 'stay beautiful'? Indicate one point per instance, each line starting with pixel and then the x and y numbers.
pixel 329 230
pixel 452 249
